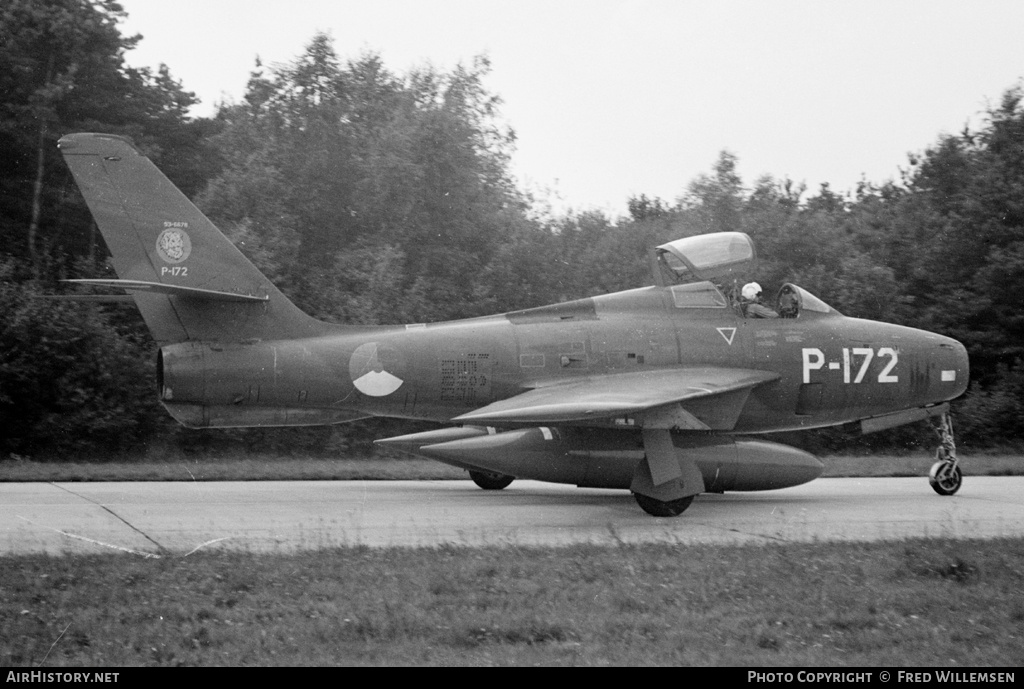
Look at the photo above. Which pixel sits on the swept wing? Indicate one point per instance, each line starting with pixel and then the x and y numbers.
pixel 698 398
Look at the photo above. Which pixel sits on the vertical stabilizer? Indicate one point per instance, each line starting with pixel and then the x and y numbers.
pixel 188 280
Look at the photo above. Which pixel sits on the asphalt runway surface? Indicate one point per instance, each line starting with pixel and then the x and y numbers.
pixel 179 518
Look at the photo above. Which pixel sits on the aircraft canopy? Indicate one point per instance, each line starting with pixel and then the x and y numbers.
pixel 793 301
pixel 708 256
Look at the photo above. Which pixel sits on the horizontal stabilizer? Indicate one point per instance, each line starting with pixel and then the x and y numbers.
pixel 617 395
pixel 189 281
pixel 91 298
pixel 174 290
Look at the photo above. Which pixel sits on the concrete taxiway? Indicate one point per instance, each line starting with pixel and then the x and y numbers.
pixel 283 516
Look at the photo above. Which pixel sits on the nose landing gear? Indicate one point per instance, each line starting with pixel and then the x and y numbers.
pixel 945 476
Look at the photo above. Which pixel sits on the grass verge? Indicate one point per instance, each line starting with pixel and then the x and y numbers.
pixel 271 468
pixel 250 469
pixel 937 603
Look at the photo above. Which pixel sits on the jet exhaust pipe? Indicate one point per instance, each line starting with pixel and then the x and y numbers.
pixel 206 385
pixel 599 458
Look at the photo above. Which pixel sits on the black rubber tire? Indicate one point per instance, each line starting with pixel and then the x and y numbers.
pixel 491 480
pixel 943 481
pixel 662 508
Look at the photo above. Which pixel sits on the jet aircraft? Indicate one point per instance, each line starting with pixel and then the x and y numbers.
pixel 655 390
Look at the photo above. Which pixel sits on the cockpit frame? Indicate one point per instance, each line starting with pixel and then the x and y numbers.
pixel 713 257
pixel 699 268
pixel 794 301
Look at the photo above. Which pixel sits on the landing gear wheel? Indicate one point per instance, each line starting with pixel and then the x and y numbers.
pixel 663 508
pixel 489 480
pixel 945 478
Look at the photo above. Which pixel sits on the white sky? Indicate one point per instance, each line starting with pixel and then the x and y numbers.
pixel 612 98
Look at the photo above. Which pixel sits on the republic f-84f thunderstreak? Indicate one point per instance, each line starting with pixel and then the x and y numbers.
pixel 655 390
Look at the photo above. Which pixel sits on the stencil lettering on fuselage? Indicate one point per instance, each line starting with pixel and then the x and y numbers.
pixel 466 377
pixel 854 364
pixel 374 367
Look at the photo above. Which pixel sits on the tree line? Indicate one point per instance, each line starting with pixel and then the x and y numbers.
pixel 372 196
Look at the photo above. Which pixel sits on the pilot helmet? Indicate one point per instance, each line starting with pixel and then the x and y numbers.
pixel 751 291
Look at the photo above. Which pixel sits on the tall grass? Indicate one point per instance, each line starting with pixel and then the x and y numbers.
pixel 937 603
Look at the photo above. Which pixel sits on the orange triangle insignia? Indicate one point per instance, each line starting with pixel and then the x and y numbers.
pixel 727 333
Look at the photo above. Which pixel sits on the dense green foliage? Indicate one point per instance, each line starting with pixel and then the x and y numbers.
pixel 75 378
pixel 61 70
pixel 72 375
pixel 370 196
pixel 363 194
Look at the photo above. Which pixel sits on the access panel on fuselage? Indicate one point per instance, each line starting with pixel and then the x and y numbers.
pixel 871 368
pixel 836 370
pixel 611 333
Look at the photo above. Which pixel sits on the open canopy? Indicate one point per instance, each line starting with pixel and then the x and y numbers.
pixel 706 257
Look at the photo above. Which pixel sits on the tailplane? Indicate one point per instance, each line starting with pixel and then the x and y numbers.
pixel 188 280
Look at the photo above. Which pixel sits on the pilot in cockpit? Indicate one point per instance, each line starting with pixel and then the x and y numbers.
pixel 750 301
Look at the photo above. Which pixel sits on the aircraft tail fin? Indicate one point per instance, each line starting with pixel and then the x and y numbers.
pixel 188 280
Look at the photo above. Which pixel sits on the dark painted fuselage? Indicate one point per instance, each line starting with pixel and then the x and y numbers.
pixel 832 369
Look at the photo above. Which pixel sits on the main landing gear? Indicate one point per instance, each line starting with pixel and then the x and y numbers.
pixel 945 476
pixel 490 480
pixel 663 508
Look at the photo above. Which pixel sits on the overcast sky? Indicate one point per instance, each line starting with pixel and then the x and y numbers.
pixel 613 98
